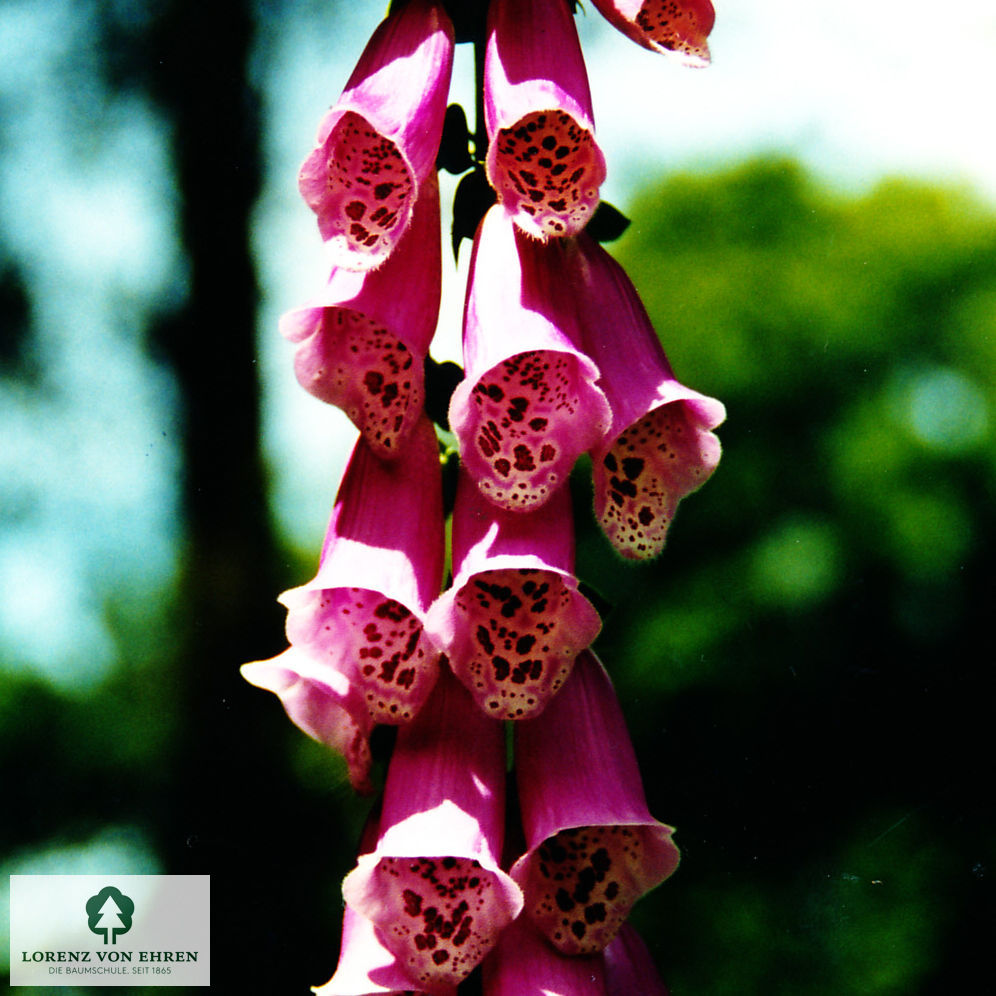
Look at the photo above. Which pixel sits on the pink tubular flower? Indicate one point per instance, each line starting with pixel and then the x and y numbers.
pixel 378 144
pixel 523 964
pixel 542 157
pixel 321 701
pixel 366 967
pixel 513 620
pixel 433 886
pixel 629 969
pixel 674 27
pixel 528 405
pixel 363 341
pixel 660 447
pixel 593 847
pixel 380 569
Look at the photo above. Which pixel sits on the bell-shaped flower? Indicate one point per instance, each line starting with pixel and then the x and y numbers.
pixel 593 847
pixel 323 702
pixel 660 446
pixel 542 159
pixel 381 567
pixel 433 886
pixel 678 28
pixel 528 405
pixel 364 340
pixel 513 621
pixel 524 964
pixel 366 967
pixel 629 969
pixel 378 143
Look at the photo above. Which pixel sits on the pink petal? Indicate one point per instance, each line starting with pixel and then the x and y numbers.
pixel 381 567
pixel 677 28
pixel 514 620
pixel 323 702
pixel 542 160
pixel 629 969
pixel 593 847
pixel 363 343
pixel 524 964
pixel 366 967
pixel 659 447
pixel 528 405
pixel 378 144
pixel 433 886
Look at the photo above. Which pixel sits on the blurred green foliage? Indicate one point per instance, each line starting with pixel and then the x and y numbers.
pixel 804 667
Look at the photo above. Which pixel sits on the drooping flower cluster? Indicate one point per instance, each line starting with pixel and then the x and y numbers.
pixel 560 359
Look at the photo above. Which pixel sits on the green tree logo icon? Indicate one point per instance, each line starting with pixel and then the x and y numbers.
pixel 109 913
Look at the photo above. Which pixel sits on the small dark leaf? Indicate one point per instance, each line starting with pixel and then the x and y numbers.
pixel 454 148
pixel 441 380
pixel 451 471
pixel 607 223
pixel 470 203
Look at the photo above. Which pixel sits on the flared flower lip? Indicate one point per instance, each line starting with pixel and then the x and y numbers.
pixel 564 798
pixel 537 71
pixel 513 619
pixel 443 803
pixel 330 368
pixel 380 569
pixel 366 967
pixel 323 702
pixel 518 306
pixel 623 15
pixel 399 88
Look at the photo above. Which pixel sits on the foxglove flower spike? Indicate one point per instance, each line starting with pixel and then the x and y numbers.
pixel 513 620
pixel 528 405
pixel 660 446
pixel 378 144
pixel 364 340
pixel 433 886
pixel 542 156
pixel 677 28
pixel 593 847
pixel 380 569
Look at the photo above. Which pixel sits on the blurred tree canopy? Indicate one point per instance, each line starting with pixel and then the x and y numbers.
pixel 804 667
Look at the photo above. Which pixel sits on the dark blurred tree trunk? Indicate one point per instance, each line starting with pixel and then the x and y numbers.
pixel 232 812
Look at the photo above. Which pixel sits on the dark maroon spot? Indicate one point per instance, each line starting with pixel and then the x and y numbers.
pixel 524 458
pixel 383 190
pixel 632 467
pixel 537 424
pixel 564 901
pixel 645 515
pixel 413 902
pixel 503 467
pixel 355 210
pixel 595 913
